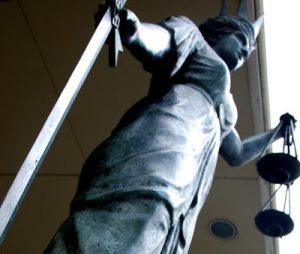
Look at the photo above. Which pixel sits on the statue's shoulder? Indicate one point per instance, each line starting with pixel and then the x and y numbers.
pixel 178 22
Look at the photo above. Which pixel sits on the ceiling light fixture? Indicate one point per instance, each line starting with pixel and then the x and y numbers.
pixel 223 229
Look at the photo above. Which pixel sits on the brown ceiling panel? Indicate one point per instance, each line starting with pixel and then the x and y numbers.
pixel 27 95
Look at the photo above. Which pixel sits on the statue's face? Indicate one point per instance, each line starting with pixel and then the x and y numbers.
pixel 234 48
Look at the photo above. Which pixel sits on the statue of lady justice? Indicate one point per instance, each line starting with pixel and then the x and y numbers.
pixel 141 190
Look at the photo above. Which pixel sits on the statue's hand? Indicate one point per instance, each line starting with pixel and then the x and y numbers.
pixel 285 120
pixel 129 25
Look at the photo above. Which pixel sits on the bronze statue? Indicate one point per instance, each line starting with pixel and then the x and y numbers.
pixel 141 190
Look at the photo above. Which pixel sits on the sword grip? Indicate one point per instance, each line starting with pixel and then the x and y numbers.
pixel 115 46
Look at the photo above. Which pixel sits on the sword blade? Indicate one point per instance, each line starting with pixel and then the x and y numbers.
pixel 55 119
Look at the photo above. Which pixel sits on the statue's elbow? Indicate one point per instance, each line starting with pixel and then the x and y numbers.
pixel 233 157
pixel 235 161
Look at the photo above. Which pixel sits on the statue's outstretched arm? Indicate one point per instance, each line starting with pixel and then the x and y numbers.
pixel 237 152
pixel 149 43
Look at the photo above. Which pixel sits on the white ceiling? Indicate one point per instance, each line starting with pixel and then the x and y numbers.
pixel 41 41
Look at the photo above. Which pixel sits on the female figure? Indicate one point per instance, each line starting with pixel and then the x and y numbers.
pixel 142 189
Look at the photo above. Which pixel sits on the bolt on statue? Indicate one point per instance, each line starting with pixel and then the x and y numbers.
pixel 141 190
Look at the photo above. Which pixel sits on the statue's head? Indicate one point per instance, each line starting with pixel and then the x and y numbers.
pixel 220 33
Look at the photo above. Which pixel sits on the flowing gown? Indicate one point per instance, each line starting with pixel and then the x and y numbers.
pixel 141 190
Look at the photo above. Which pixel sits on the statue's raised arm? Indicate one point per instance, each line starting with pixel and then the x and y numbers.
pixel 145 41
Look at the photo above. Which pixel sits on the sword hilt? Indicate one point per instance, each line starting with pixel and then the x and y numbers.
pixel 115 43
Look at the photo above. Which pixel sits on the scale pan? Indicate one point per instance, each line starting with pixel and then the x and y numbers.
pixel 280 168
pixel 274 223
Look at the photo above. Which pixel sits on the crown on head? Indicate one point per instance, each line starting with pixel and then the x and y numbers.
pixel 243 13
